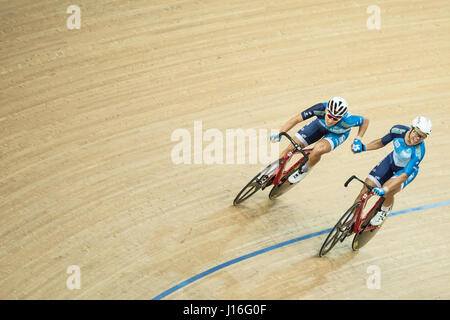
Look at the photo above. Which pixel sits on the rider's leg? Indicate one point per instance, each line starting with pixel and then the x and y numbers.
pixel 321 147
pixel 381 173
pixel 389 196
pixel 330 142
pixel 393 186
pixel 306 136
pixel 377 177
pixel 388 203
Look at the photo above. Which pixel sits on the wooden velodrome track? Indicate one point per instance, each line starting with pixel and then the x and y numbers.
pixel 87 177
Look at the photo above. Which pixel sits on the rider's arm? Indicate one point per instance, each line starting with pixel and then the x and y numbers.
pixel 363 123
pixel 380 143
pixel 291 123
pixel 413 163
pixel 374 145
pixel 308 113
pixel 363 128
pixel 396 182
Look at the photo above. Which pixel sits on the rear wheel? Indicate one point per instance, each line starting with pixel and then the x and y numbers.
pixel 340 231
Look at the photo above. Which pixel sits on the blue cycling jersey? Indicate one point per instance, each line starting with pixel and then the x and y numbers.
pixel 342 126
pixel 404 156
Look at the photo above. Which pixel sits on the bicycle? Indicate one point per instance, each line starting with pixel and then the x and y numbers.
pixel 354 221
pixel 274 174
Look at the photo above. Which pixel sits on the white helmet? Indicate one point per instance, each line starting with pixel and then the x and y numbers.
pixel 423 124
pixel 337 106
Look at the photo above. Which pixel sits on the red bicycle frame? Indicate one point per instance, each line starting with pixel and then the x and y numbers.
pixel 357 216
pixel 357 228
pixel 279 173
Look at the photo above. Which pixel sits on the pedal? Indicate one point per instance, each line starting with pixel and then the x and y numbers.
pixel 345 236
pixel 263 180
pixel 347 230
pixel 268 183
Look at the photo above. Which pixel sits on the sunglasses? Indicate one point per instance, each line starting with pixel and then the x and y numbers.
pixel 420 134
pixel 333 117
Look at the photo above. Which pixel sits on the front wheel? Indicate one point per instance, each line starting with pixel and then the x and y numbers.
pixel 262 180
pixel 340 231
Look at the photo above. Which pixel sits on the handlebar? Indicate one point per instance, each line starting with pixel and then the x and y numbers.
pixel 355 177
pixel 296 145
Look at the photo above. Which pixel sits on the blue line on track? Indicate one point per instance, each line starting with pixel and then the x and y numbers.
pixel 279 245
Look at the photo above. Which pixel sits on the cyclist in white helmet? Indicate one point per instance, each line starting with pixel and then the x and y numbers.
pixel 400 167
pixel 330 129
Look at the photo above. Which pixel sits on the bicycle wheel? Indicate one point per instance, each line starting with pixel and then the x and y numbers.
pixel 361 238
pixel 340 231
pixel 260 181
pixel 279 190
